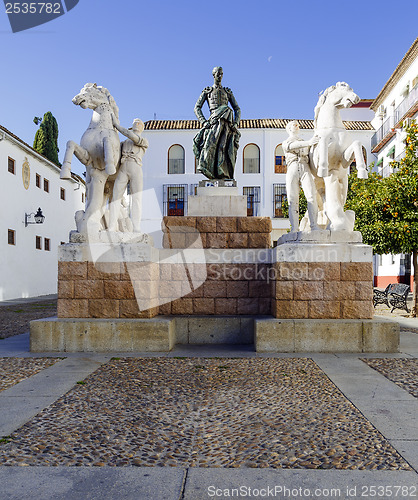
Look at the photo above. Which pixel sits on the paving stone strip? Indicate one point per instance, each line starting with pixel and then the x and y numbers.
pixel 403 372
pixel 195 412
pixel 14 370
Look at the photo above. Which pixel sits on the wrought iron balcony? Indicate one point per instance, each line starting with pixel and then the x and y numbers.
pixel 383 134
pixel 408 106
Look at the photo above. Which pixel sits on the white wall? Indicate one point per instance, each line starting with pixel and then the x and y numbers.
pixel 155 168
pixel 24 270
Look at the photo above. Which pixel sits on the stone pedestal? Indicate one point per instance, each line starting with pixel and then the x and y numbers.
pixel 217 198
pixel 320 276
pixel 217 281
pixel 236 253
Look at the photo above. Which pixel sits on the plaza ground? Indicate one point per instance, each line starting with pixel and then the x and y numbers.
pixel 204 421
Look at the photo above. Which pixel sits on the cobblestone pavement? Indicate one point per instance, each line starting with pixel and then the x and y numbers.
pixel 403 372
pixel 15 319
pixel 14 370
pixel 203 412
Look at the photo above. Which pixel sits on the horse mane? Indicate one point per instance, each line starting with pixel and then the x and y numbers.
pixel 112 102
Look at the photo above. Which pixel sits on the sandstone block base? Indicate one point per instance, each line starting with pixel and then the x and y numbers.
pixel 102 335
pixel 326 335
pixel 161 334
pixel 137 335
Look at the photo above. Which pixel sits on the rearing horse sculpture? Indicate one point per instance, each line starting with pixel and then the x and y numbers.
pixel 99 151
pixel 333 154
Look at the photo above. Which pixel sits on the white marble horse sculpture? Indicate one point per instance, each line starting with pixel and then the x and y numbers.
pixel 333 154
pixel 99 151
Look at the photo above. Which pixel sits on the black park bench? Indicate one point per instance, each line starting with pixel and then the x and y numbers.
pixel 394 296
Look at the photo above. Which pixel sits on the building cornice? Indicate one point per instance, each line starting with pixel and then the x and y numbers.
pixel 400 70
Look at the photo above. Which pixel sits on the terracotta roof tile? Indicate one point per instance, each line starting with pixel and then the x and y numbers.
pixel 277 123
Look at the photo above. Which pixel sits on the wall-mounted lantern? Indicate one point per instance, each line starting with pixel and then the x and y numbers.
pixel 39 218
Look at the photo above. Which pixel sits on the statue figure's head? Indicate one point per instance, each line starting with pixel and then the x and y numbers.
pixel 217 73
pixel 138 126
pixel 292 127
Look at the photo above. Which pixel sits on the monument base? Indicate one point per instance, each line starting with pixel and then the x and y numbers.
pixel 326 335
pixel 102 335
pixel 162 333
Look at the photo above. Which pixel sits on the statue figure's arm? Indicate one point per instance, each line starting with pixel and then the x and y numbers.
pixel 135 138
pixel 295 145
pixel 235 107
pixel 199 104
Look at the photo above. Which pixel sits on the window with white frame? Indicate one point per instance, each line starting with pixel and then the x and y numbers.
pixel 279 160
pixel 176 159
pixel 253 199
pixel 279 195
pixel 175 199
pixel 251 159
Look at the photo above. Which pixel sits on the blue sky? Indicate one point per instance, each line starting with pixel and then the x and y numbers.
pixel 156 56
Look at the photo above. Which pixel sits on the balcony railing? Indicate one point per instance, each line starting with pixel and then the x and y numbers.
pixel 383 131
pixel 410 101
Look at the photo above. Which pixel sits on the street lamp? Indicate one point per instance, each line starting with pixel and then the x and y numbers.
pixel 39 218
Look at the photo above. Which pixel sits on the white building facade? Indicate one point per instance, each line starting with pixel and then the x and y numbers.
pixel 170 170
pixel 394 107
pixel 29 253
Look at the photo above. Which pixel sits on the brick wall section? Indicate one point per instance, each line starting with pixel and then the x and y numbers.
pixel 229 289
pixel 107 290
pixel 216 232
pixel 336 290
pixel 87 290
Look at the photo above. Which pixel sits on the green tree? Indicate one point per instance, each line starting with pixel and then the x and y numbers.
pixel 387 208
pixel 46 138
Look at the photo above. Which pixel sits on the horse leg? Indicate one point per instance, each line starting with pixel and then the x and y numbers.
pixel 322 157
pixel 109 157
pixel 80 153
pixel 356 149
pixel 94 209
pixel 119 187
pixel 334 202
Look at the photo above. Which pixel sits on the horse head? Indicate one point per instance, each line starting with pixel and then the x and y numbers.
pixel 340 95
pixel 344 96
pixel 92 96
